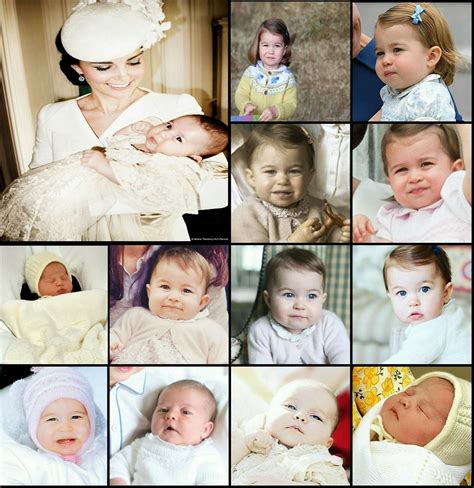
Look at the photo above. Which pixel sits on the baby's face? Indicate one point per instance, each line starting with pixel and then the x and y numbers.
pixel 296 298
pixel 417 294
pixel 279 176
pixel 417 168
pixel 121 373
pixel 54 281
pixel 176 293
pixel 180 137
pixel 402 60
pixel 417 415
pixel 182 416
pixel 64 427
pixel 302 415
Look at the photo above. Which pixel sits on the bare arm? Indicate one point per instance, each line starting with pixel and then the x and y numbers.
pixel 118 481
pixel 376 117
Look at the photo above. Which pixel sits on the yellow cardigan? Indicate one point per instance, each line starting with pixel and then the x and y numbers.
pixel 266 88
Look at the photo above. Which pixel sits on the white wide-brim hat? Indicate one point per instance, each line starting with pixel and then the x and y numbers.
pixel 99 32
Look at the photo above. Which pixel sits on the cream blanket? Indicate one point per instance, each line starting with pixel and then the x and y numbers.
pixel 392 463
pixel 64 329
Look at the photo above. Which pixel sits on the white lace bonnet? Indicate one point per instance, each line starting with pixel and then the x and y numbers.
pixel 104 31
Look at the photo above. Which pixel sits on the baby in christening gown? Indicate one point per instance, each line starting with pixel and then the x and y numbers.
pixel 149 166
pixel 290 444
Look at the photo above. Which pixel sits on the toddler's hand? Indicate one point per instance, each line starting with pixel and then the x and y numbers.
pixel 260 442
pixel 346 231
pixel 309 231
pixel 93 159
pixel 249 108
pixel 268 114
pixel 361 227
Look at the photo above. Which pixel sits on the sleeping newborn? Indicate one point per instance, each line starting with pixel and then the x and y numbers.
pixel 419 436
pixel 291 447
pixel 61 327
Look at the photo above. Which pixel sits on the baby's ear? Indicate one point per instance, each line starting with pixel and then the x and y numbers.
pixel 457 165
pixel 434 55
pixel 198 159
pixel 447 292
pixel 148 288
pixel 329 442
pixel 207 430
pixel 325 295
pixel 250 177
pixel 204 301
pixel 266 298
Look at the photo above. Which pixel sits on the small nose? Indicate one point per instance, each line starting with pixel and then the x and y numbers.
pixel 386 59
pixel 170 414
pixel 298 304
pixel 414 300
pixel 66 426
pixel 301 417
pixel 282 179
pixel 173 295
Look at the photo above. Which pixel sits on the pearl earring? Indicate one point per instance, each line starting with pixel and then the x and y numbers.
pixel 81 78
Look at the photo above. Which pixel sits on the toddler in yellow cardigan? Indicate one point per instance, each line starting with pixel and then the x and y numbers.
pixel 268 87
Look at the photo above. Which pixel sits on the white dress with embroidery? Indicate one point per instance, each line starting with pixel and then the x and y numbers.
pixel 300 463
pixel 61 200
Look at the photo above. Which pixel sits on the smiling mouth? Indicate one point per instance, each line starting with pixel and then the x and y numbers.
pixel 66 442
pixel 117 86
pixel 417 191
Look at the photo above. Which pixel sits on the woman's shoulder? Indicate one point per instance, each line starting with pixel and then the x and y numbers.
pixel 161 103
pixel 55 109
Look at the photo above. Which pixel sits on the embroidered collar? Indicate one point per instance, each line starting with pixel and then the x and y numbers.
pixel 288 336
pixel 400 94
pixel 301 209
pixel 400 211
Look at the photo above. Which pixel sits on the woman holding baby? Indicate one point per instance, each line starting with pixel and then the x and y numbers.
pixel 102 46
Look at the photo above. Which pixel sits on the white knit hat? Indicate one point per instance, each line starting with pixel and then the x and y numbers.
pixel 35 265
pixel 97 32
pixel 50 383
pixel 453 444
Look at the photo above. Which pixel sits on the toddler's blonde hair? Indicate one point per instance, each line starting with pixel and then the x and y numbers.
pixel 433 30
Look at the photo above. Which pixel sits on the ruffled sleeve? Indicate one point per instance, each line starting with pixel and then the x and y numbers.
pixel 429 101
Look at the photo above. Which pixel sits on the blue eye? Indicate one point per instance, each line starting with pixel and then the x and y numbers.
pixel 288 294
pixel 401 293
pixel 316 417
pixel 397 50
pixel 425 289
pixel 312 296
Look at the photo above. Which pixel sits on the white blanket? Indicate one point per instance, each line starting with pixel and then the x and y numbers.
pixel 67 328
pixel 391 463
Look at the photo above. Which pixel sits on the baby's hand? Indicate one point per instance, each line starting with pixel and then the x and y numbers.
pixel 346 231
pixel 361 227
pixel 141 127
pixel 268 114
pixel 93 159
pixel 309 231
pixel 259 441
pixel 115 349
pixel 249 108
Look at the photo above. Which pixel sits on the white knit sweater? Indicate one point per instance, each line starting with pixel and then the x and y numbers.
pixel 152 461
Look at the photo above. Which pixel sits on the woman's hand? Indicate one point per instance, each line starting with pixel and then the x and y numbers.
pixel 362 228
pixel 309 231
pixel 268 114
pixel 249 108
pixel 115 349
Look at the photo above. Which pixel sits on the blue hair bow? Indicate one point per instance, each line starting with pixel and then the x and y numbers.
pixel 436 250
pixel 416 17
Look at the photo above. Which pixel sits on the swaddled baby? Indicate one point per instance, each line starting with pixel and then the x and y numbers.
pixel 293 441
pixel 60 327
pixel 419 436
